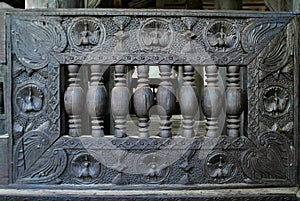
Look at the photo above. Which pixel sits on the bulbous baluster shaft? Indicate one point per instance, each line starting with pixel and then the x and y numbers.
pixel 120 101
pixel 96 100
pixel 166 100
pixel 211 101
pixel 188 101
pixel 234 101
pixel 73 101
pixel 143 100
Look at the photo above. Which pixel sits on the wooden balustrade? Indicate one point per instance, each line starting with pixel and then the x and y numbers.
pixel 143 100
pixel 211 101
pixel 188 101
pixel 73 100
pixel 96 100
pixel 166 99
pixel 120 101
pixel 234 101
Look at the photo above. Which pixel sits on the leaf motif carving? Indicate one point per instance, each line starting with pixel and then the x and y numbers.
pixel 30 147
pixel 34 39
pixel 269 160
pixel 35 162
pixel 277 56
pixel 47 168
pixel 256 36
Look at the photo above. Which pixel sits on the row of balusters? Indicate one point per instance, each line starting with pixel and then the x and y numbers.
pixel 96 99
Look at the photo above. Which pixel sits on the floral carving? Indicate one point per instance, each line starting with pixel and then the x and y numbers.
pixel 85 168
pixel 220 167
pixel 155 35
pixel 29 99
pixel 154 168
pixel 86 34
pixel 275 101
pixel 221 36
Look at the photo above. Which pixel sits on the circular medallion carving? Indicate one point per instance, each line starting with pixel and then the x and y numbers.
pixel 29 100
pixel 220 167
pixel 86 34
pixel 153 167
pixel 85 168
pixel 155 35
pixel 221 36
pixel 276 101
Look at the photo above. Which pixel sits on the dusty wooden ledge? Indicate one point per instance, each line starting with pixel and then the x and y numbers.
pixel 258 194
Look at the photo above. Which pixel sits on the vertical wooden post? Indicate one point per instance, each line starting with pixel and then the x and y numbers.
pixel 188 101
pixel 120 101
pixel 234 101
pixel 96 100
pixel 1 98
pixel 166 100
pixel 211 101
pixel 73 101
pixel 143 100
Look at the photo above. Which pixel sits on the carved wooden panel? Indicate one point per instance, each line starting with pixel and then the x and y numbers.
pixel 47 48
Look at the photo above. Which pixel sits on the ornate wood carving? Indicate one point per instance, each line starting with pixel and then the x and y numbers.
pixel 40 44
pixel 268 159
pixel 96 99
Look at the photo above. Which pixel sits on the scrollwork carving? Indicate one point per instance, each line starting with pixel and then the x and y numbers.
pixel 269 160
pixel 259 34
pixel 35 163
pixel 33 39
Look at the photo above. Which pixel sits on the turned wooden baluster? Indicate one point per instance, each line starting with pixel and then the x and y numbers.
pixel 234 101
pixel 166 100
pixel 143 100
pixel 188 101
pixel 211 101
pixel 120 101
pixel 73 101
pixel 96 99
